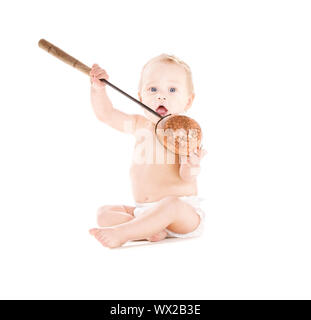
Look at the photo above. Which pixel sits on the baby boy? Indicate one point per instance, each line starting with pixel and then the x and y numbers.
pixel 164 184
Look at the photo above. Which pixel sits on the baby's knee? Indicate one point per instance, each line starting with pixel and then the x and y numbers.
pixel 102 213
pixel 101 210
pixel 100 217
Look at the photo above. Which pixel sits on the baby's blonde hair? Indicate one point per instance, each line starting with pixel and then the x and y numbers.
pixel 169 59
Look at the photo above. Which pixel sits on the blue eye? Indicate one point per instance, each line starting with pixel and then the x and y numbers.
pixel 172 90
pixel 153 89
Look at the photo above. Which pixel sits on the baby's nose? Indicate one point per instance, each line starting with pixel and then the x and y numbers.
pixel 161 98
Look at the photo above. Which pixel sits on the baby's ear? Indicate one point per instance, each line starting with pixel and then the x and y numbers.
pixel 192 96
pixel 190 100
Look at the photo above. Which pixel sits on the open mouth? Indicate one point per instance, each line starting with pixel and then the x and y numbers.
pixel 161 110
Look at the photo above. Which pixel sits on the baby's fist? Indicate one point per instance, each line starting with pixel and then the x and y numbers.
pixel 196 157
pixel 96 74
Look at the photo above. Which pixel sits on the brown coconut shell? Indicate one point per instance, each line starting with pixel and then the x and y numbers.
pixel 180 134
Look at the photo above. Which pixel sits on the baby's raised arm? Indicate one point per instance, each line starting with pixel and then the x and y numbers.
pixel 103 107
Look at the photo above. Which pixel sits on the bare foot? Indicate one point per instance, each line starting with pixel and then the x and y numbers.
pixel 158 237
pixel 108 237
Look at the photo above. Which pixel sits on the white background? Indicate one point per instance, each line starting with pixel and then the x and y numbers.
pixel 252 75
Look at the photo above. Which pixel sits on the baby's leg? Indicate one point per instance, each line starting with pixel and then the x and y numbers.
pixel 112 215
pixel 170 213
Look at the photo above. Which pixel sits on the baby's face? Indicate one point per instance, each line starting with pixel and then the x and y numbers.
pixel 165 85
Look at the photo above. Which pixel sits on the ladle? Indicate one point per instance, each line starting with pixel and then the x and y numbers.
pixel 179 134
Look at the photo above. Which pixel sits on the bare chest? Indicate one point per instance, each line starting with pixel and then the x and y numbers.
pixel 149 151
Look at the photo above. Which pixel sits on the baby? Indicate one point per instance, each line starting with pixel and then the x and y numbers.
pixel 164 184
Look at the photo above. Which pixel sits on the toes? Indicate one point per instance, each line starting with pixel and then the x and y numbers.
pixel 158 237
pixel 93 231
pixel 106 237
pixel 152 239
pixel 100 237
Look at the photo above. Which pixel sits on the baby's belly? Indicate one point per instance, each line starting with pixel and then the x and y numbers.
pixel 152 182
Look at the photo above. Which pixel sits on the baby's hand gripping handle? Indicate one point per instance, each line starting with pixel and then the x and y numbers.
pixel 65 57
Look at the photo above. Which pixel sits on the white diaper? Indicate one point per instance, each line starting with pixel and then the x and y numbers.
pixel 194 201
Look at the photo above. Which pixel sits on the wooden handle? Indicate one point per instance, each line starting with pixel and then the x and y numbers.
pixel 60 54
